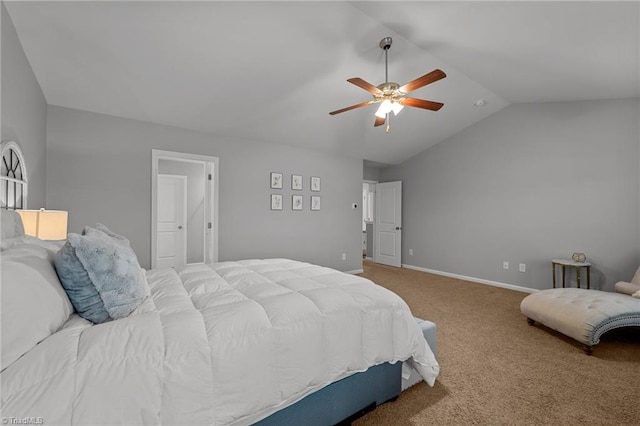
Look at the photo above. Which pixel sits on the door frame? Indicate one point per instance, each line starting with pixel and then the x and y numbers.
pixel 183 180
pixel 211 197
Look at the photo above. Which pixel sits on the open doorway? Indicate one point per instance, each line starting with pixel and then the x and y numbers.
pixel 382 222
pixel 184 211
pixel 368 209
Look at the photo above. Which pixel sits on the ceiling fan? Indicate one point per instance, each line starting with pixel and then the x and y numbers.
pixel 391 96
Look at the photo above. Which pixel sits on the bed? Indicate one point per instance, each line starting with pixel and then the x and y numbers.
pixel 218 344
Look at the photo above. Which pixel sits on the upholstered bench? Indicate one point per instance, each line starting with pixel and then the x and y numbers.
pixel 581 314
pixel 410 376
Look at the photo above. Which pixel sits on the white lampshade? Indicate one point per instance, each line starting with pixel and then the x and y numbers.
pixel 387 106
pixel 396 107
pixel 384 109
pixel 45 224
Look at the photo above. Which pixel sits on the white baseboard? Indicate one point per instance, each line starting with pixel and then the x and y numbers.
pixel 369 258
pixel 472 279
pixel 355 271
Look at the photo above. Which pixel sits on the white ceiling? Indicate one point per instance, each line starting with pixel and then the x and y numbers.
pixel 272 71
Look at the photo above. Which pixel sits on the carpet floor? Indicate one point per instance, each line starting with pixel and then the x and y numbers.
pixel 498 370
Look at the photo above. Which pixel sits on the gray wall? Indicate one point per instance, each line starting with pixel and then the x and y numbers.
pixel 530 183
pixel 195 203
pixel 24 111
pixel 371 173
pixel 99 169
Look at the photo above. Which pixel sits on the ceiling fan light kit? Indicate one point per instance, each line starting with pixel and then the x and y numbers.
pixel 387 106
pixel 391 96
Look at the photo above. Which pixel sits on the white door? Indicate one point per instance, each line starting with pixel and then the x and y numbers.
pixel 388 224
pixel 171 235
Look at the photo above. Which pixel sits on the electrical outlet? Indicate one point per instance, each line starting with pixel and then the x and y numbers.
pixel 344 256
pixel 523 267
pixel 505 265
pixel 410 252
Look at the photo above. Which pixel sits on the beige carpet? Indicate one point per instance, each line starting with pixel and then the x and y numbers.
pixel 497 370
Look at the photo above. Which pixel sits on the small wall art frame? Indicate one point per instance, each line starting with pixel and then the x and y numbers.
pixel 296 202
pixel 276 180
pixel 315 202
pixel 296 182
pixel 315 184
pixel 276 201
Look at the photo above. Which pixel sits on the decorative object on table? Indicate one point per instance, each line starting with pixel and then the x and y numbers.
pixel 296 182
pixel 276 201
pixel 579 257
pixel 45 224
pixel 315 184
pixel 315 202
pixel 296 202
pixel 276 180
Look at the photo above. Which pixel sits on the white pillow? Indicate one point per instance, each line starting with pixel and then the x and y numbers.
pixel 636 294
pixel 34 304
pixel 52 246
pixel 11 224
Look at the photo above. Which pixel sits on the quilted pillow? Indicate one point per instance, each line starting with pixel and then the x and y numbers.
pixel 101 276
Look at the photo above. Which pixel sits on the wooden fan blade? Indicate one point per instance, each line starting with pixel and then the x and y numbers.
pixel 419 82
pixel 421 103
pixel 379 122
pixel 349 108
pixel 364 85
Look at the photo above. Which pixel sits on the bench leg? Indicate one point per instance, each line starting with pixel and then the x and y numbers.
pixel 530 321
pixel 588 350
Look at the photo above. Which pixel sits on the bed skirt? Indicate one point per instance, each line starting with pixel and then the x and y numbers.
pixel 353 396
pixel 348 398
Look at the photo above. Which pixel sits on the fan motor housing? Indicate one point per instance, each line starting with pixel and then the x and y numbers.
pixel 388 91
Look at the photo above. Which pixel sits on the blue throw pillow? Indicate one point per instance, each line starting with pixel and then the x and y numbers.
pixel 109 232
pixel 101 276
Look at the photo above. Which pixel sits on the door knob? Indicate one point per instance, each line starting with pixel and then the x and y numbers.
pixel 180 227
pixel 398 228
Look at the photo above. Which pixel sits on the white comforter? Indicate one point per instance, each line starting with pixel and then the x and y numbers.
pixel 228 343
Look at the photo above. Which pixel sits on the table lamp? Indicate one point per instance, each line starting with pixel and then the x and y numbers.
pixel 45 224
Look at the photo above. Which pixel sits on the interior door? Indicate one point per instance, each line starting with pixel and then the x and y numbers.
pixel 388 224
pixel 171 235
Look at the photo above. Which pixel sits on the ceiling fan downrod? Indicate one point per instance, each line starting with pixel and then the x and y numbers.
pixel 385 44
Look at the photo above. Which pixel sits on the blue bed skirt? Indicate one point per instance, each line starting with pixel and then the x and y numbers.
pixel 342 399
pixel 351 397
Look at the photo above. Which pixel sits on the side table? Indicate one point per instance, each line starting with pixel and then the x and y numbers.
pixel 578 267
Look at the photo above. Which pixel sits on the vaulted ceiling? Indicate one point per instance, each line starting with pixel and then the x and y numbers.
pixel 272 71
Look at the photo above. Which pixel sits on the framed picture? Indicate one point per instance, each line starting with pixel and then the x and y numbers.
pixel 276 201
pixel 276 180
pixel 296 182
pixel 315 202
pixel 315 184
pixel 296 202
